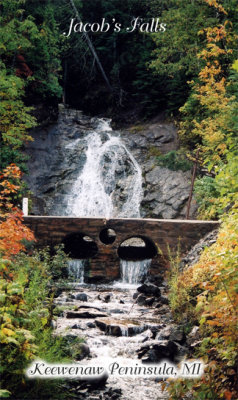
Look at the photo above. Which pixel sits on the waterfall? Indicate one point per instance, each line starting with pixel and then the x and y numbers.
pixel 108 163
pixel 110 185
pixel 76 270
pixel 133 272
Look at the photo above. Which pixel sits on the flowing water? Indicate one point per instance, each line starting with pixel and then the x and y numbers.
pixel 76 270
pixel 116 337
pixel 110 174
pixel 108 162
pixel 110 185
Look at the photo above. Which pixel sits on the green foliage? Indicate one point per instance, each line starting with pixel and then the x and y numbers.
pixel 206 193
pixel 15 117
pixel 44 58
pixel 26 304
pixel 174 160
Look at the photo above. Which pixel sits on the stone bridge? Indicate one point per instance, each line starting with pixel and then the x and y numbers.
pixel 105 241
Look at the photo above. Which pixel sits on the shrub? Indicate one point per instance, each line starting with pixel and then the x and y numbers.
pixel 174 160
pixel 26 304
pixel 208 293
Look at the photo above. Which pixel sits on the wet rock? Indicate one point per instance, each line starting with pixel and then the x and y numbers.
pixel 91 325
pixel 81 297
pixel 155 279
pixel 165 333
pixel 76 326
pixel 145 336
pixel 107 298
pixel 158 351
pixel 135 329
pixel 149 301
pixel 135 295
pixel 141 299
pixel 85 314
pixel 119 328
pixel 172 332
pixel 83 352
pixel 70 337
pixel 109 327
pixel 164 300
pixel 149 290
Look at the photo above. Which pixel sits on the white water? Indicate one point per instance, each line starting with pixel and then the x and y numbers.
pixel 106 158
pixel 133 272
pixel 76 270
pixel 109 165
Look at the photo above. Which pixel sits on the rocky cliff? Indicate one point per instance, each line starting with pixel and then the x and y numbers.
pixel 58 155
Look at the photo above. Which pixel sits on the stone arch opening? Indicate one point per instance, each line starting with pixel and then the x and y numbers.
pixel 107 236
pixel 137 248
pixel 80 246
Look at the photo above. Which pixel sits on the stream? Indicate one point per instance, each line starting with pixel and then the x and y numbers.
pixel 116 326
pixel 116 329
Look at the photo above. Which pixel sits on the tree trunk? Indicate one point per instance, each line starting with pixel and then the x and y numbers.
pixel 90 45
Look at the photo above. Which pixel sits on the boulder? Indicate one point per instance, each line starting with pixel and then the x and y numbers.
pixel 83 352
pixel 158 351
pixel 141 299
pixel 81 297
pixel 85 314
pixel 91 325
pixel 149 301
pixel 149 290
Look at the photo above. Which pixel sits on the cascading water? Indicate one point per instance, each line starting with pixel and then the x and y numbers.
pixel 108 162
pixel 133 272
pixel 110 185
pixel 76 270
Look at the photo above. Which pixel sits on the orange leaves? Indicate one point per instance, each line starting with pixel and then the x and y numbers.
pixel 12 230
pixel 228 395
pixel 9 184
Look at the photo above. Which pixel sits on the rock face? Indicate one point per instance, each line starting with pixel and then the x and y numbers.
pixel 194 254
pixel 58 155
pixel 165 191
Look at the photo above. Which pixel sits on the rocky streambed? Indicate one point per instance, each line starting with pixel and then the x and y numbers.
pixel 122 325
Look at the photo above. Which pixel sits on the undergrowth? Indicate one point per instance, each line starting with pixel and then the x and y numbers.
pixel 207 294
pixel 27 287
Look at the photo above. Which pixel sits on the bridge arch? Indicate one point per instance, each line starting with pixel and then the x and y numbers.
pixel 79 245
pixel 137 248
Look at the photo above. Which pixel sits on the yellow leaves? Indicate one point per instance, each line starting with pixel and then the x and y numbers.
pixel 7 332
pixel 235 65
pixel 214 3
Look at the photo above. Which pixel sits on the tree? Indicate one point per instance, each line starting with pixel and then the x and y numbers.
pixel 13 231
